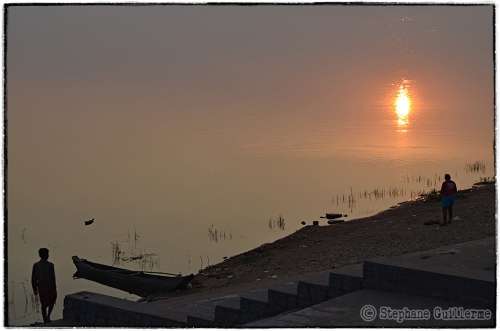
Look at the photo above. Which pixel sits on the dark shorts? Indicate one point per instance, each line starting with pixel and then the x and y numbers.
pixel 48 293
pixel 448 201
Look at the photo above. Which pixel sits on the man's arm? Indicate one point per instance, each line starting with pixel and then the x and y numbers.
pixel 34 279
pixel 52 275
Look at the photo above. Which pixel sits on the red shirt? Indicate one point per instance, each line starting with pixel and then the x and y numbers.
pixel 448 188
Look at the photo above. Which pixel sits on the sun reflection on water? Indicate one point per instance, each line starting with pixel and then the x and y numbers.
pixel 403 104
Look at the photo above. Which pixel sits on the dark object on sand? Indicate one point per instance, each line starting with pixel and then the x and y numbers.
pixel 336 222
pixel 89 222
pixel 315 222
pixel 431 222
pixel 332 216
pixel 303 223
pixel 136 282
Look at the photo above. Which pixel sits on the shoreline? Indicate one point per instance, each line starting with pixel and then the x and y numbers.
pixel 398 230
pixel 313 249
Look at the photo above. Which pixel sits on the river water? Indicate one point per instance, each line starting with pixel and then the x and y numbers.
pixel 184 158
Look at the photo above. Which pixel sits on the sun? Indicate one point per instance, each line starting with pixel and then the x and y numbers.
pixel 403 105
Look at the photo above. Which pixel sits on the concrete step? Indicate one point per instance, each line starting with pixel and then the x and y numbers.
pixel 345 280
pixel 207 312
pixel 462 273
pixel 228 313
pixel 204 315
pixel 284 297
pixel 200 309
pixel 312 290
pixel 318 288
pixel 379 309
pixel 255 304
pixel 92 309
pixel 201 322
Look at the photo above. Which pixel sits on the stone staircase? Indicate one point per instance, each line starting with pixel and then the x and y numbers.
pixel 286 298
pixel 462 274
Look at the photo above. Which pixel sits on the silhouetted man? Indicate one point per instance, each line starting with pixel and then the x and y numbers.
pixel 448 190
pixel 43 281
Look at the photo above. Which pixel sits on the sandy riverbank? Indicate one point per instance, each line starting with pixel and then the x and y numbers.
pixel 399 230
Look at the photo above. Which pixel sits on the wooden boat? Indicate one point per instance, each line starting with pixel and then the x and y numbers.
pixel 136 282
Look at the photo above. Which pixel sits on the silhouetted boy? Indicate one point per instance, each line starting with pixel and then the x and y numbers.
pixel 43 281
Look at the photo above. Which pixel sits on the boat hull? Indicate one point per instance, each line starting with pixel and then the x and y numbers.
pixel 135 282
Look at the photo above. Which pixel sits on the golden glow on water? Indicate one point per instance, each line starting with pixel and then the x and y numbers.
pixel 403 104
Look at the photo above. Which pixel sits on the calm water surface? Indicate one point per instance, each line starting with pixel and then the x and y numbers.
pixel 159 161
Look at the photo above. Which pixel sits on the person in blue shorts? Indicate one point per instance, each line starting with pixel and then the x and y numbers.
pixel 448 190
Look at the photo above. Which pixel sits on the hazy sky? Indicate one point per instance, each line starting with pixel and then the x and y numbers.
pixel 239 50
pixel 73 68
